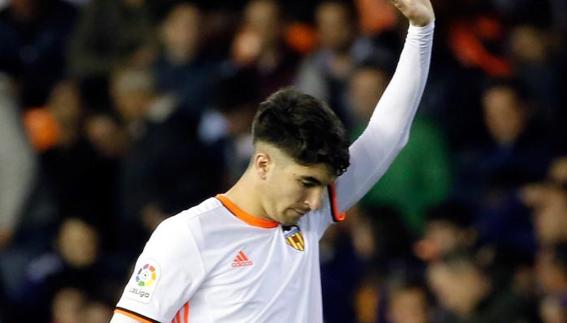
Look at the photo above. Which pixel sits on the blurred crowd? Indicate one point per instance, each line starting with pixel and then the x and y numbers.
pixel 116 114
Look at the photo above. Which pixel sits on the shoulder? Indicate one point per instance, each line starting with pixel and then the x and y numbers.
pixel 184 228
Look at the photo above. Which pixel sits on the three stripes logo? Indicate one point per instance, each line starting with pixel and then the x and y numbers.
pixel 294 237
pixel 241 260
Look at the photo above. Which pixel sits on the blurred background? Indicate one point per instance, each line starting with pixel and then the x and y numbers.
pixel 116 114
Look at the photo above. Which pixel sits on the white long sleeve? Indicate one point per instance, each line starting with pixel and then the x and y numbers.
pixel 388 130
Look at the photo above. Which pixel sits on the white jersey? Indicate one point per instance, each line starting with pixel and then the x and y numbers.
pixel 216 263
pixel 233 267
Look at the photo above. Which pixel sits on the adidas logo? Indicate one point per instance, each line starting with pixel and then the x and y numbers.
pixel 241 260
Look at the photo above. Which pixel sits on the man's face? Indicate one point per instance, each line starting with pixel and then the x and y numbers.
pixel 365 89
pixel 291 190
pixel 408 306
pixel 334 26
pixel 503 114
pixel 445 236
pixel 550 276
pixel 180 32
pixel 455 286
pixel 262 18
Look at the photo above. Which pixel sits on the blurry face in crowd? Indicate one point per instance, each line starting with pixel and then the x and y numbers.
pixel 552 278
pixel 528 44
pixel 367 300
pixel 550 216
pixel 551 310
pixel 78 243
pixel 290 190
pixel 262 18
pixel 445 237
pixel 457 287
pixel 96 313
pixel 363 239
pixel 65 105
pixel 334 26
pixel 558 171
pixel 132 93
pixel 181 32
pixel 365 88
pixel 67 305
pixel 408 306
pixel 503 114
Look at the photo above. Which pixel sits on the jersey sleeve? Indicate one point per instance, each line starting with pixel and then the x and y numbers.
pixel 389 126
pixel 167 274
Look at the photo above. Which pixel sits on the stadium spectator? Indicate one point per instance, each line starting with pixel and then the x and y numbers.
pixel 513 155
pixel 34 34
pixel 109 34
pixel 549 210
pixel 420 176
pixel 324 74
pixel 76 177
pixel 74 261
pixel 165 167
pixel 181 69
pixel 260 46
pixel 448 229
pixel 408 302
pixel 466 292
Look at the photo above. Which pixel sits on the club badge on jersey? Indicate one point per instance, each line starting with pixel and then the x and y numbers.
pixel 294 237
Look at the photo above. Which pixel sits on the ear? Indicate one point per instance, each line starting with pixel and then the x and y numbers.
pixel 262 164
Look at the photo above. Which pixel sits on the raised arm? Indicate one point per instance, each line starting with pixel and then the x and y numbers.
pixel 388 129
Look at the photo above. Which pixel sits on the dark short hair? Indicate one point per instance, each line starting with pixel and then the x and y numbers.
pixel 303 127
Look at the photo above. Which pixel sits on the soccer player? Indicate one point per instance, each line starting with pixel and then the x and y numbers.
pixel 251 254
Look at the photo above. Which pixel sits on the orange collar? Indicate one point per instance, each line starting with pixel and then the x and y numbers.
pixel 244 216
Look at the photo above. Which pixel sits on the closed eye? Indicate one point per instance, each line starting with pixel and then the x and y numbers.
pixel 307 184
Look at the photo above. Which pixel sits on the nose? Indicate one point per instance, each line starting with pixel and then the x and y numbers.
pixel 314 198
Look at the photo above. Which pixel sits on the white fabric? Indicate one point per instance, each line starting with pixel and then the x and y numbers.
pixel 278 284
pixel 389 127
pixel 194 254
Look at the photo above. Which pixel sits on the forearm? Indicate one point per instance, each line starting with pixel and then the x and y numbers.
pixel 388 129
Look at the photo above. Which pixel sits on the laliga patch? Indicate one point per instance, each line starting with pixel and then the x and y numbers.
pixel 143 282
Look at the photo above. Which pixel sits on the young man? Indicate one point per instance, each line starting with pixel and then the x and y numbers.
pixel 251 254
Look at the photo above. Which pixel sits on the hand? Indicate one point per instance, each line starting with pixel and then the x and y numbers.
pixel 419 12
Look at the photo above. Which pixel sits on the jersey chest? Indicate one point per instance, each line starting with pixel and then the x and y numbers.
pixel 251 270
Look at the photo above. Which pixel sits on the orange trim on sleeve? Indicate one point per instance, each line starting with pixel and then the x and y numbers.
pixel 337 216
pixel 186 313
pixel 246 217
pixel 132 316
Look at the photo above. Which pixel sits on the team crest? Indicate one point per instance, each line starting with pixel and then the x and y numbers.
pixel 294 237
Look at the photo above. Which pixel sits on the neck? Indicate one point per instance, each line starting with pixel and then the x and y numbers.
pixel 246 196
